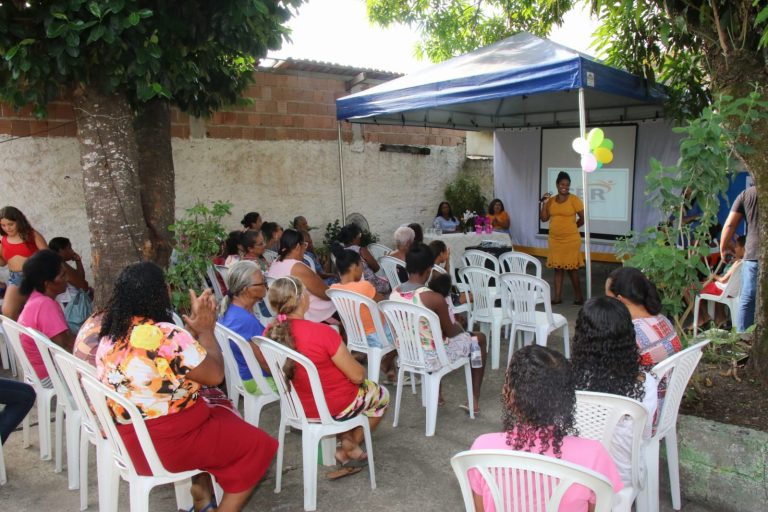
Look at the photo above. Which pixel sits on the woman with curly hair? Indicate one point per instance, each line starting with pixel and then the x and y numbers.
pixel 606 359
pixel 654 333
pixel 499 217
pixel 18 241
pixel 538 400
pixel 347 392
pixel 160 368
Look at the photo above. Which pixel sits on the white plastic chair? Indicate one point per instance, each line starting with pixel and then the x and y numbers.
pixel 311 264
pixel 389 265
pixel 6 352
pixel 406 322
pixel 483 309
pixel 223 271
pixel 140 486
pixel 313 430
pixel 677 371
pixel 349 305
pixel 67 413
pixel 520 294
pixel 596 417
pixel 108 476
pixel 270 255
pixel 476 258
pixel 3 474
pixel 252 404
pixel 378 250
pixel 177 320
pixel 44 395
pixel 729 297
pixel 212 275
pixel 521 481
pixel 518 262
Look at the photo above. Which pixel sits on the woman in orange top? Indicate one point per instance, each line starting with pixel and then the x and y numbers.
pixel 499 217
pixel 17 243
pixel 565 213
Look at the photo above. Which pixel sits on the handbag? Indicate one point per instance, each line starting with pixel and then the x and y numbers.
pixel 78 310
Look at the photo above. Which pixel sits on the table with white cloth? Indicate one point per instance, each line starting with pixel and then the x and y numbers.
pixel 458 242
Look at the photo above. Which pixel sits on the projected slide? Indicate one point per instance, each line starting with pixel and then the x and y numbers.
pixel 610 188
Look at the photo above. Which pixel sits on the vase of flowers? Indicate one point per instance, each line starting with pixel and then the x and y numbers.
pixel 468 220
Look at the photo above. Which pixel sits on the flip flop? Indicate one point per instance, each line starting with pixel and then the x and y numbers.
pixel 465 408
pixel 342 472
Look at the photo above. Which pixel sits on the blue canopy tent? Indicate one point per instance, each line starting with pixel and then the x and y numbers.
pixel 521 81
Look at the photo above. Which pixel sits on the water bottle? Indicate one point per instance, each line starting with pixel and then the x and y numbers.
pixel 475 355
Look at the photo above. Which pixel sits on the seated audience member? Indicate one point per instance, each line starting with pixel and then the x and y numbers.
pixel 441 283
pixel 75 276
pixel 350 237
pixel 606 359
pixel 654 333
pixel 252 243
pixel 247 286
pixel 230 250
pixel 404 237
pixel 445 219
pixel 272 233
pixel 17 399
pixel 418 233
pixel 251 220
pixel 442 254
pixel 537 416
pixel 347 392
pixel 137 335
pixel 301 225
pixel 715 284
pixel 350 265
pixel 499 217
pixel 44 278
pixel 290 262
pixel 87 339
pixel 418 264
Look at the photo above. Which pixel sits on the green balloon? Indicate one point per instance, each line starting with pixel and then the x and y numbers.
pixel 607 144
pixel 599 164
pixel 595 137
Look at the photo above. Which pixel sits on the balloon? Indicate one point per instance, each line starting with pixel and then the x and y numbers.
pixel 580 145
pixel 607 144
pixel 599 165
pixel 595 137
pixel 604 156
pixel 588 162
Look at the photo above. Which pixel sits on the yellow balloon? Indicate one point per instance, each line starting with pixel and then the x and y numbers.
pixel 595 137
pixel 603 155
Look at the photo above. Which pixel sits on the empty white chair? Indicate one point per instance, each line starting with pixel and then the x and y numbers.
pixel 476 258
pixel 521 294
pixel 408 322
pixel 676 370
pixel 729 297
pixel 44 395
pixel 349 305
pixel 140 486
pixel 597 416
pixel 292 414
pixel 270 255
pixel 483 309
pixel 252 403
pixel 522 481
pixel 378 250
pixel 67 413
pixel 518 262
pixel 6 353
pixel 389 265
pixel 108 475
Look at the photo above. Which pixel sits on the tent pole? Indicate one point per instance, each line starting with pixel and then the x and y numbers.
pixel 583 133
pixel 341 178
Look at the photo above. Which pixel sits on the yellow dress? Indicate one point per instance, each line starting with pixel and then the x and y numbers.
pixel 564 238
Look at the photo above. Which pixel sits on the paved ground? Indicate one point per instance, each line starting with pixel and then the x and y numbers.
pixel 413 471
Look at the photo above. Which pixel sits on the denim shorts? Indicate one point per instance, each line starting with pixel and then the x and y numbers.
pixel 373 338
pixel 15 278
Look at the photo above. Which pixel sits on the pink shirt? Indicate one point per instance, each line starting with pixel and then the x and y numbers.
pixel 43 314
pixel 319 309
pixel 584 452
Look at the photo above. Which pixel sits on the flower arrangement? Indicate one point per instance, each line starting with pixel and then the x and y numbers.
pixel 468 220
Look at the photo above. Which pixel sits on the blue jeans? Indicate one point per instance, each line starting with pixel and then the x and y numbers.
pixel 746 316
pixel 18 399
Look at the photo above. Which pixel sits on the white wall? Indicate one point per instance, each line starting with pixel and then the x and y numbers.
pixel 279 179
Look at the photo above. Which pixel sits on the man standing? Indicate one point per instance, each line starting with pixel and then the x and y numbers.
pixel 745 207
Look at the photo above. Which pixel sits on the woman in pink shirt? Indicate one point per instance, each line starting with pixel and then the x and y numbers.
pixel 539 397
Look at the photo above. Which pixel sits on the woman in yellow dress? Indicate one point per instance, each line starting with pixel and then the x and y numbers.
pixel 565 213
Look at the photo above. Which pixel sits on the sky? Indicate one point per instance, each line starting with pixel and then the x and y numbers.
pixel 339 32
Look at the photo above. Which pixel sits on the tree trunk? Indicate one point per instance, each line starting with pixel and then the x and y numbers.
pixel 156 176
pixel 108 158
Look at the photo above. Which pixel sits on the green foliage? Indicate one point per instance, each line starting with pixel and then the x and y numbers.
pixel 465 194
pixel 198 54
pixel 726 348
pixel 197 236
pixel 707 158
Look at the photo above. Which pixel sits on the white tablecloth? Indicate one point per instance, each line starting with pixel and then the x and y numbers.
pixel 458 242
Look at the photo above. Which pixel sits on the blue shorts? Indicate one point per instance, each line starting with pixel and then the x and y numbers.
pixel 15 278
pixel 373 338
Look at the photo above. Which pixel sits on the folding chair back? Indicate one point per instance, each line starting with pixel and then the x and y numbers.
pixel 518 262
pixel 390 264
pixel 476 258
